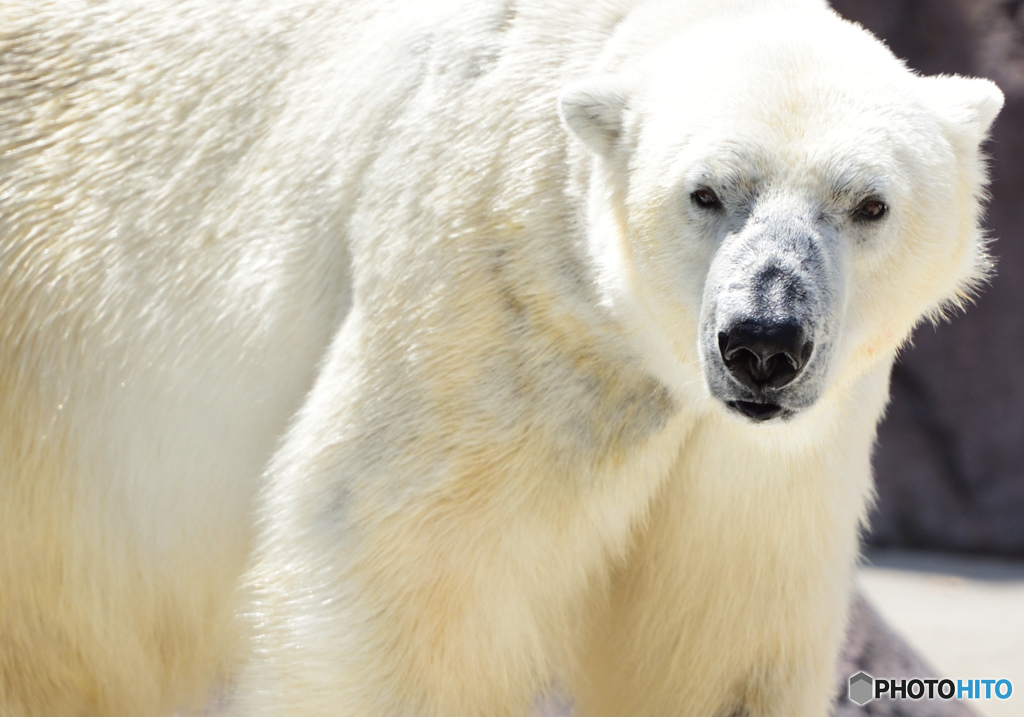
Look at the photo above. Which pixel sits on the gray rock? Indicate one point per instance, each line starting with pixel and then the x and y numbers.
pixel 873 647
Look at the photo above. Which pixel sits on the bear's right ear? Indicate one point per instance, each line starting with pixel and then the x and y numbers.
pixel 594 109
pixel 965 102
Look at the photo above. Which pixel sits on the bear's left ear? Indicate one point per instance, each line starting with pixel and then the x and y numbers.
pixel 594 109
pixel 966 103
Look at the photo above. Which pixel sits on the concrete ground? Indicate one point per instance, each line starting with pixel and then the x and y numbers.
pixel 965 615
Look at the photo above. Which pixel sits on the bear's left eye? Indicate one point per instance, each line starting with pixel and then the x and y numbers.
pixel 705 198
pixel 871 210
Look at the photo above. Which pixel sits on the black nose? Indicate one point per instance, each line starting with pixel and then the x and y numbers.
pixel 765 354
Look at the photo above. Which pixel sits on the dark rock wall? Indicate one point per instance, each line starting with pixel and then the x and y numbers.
pixel 950 460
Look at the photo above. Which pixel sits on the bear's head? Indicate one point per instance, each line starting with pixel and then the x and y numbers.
pixel 779 201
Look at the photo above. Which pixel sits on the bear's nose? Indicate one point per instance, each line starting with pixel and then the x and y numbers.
pixel 764 354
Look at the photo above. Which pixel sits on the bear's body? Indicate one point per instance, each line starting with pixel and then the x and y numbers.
pixel 164 306
pixel 533 449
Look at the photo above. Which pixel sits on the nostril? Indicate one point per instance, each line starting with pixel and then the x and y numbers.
pixel 805 354
pixel 765 354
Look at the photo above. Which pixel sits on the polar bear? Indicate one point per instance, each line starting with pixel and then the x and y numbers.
pixel 585 312
pixel 602 411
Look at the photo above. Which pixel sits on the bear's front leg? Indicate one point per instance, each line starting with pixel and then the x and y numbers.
pixel 427 542
pixel 733 600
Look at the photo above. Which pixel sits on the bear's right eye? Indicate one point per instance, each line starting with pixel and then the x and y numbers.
pixel 871 210
pixel 705 198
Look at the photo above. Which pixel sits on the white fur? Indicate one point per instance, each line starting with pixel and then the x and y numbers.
pixel 509 469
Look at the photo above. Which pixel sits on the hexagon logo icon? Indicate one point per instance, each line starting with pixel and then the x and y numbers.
pixel 862 688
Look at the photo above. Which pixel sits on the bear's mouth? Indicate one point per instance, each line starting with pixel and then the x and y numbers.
pixel 759 412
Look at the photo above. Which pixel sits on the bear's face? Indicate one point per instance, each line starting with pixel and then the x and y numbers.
pixel 784 218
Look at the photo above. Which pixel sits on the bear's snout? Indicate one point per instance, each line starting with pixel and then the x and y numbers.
pixel 762 355
pixel 771 307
